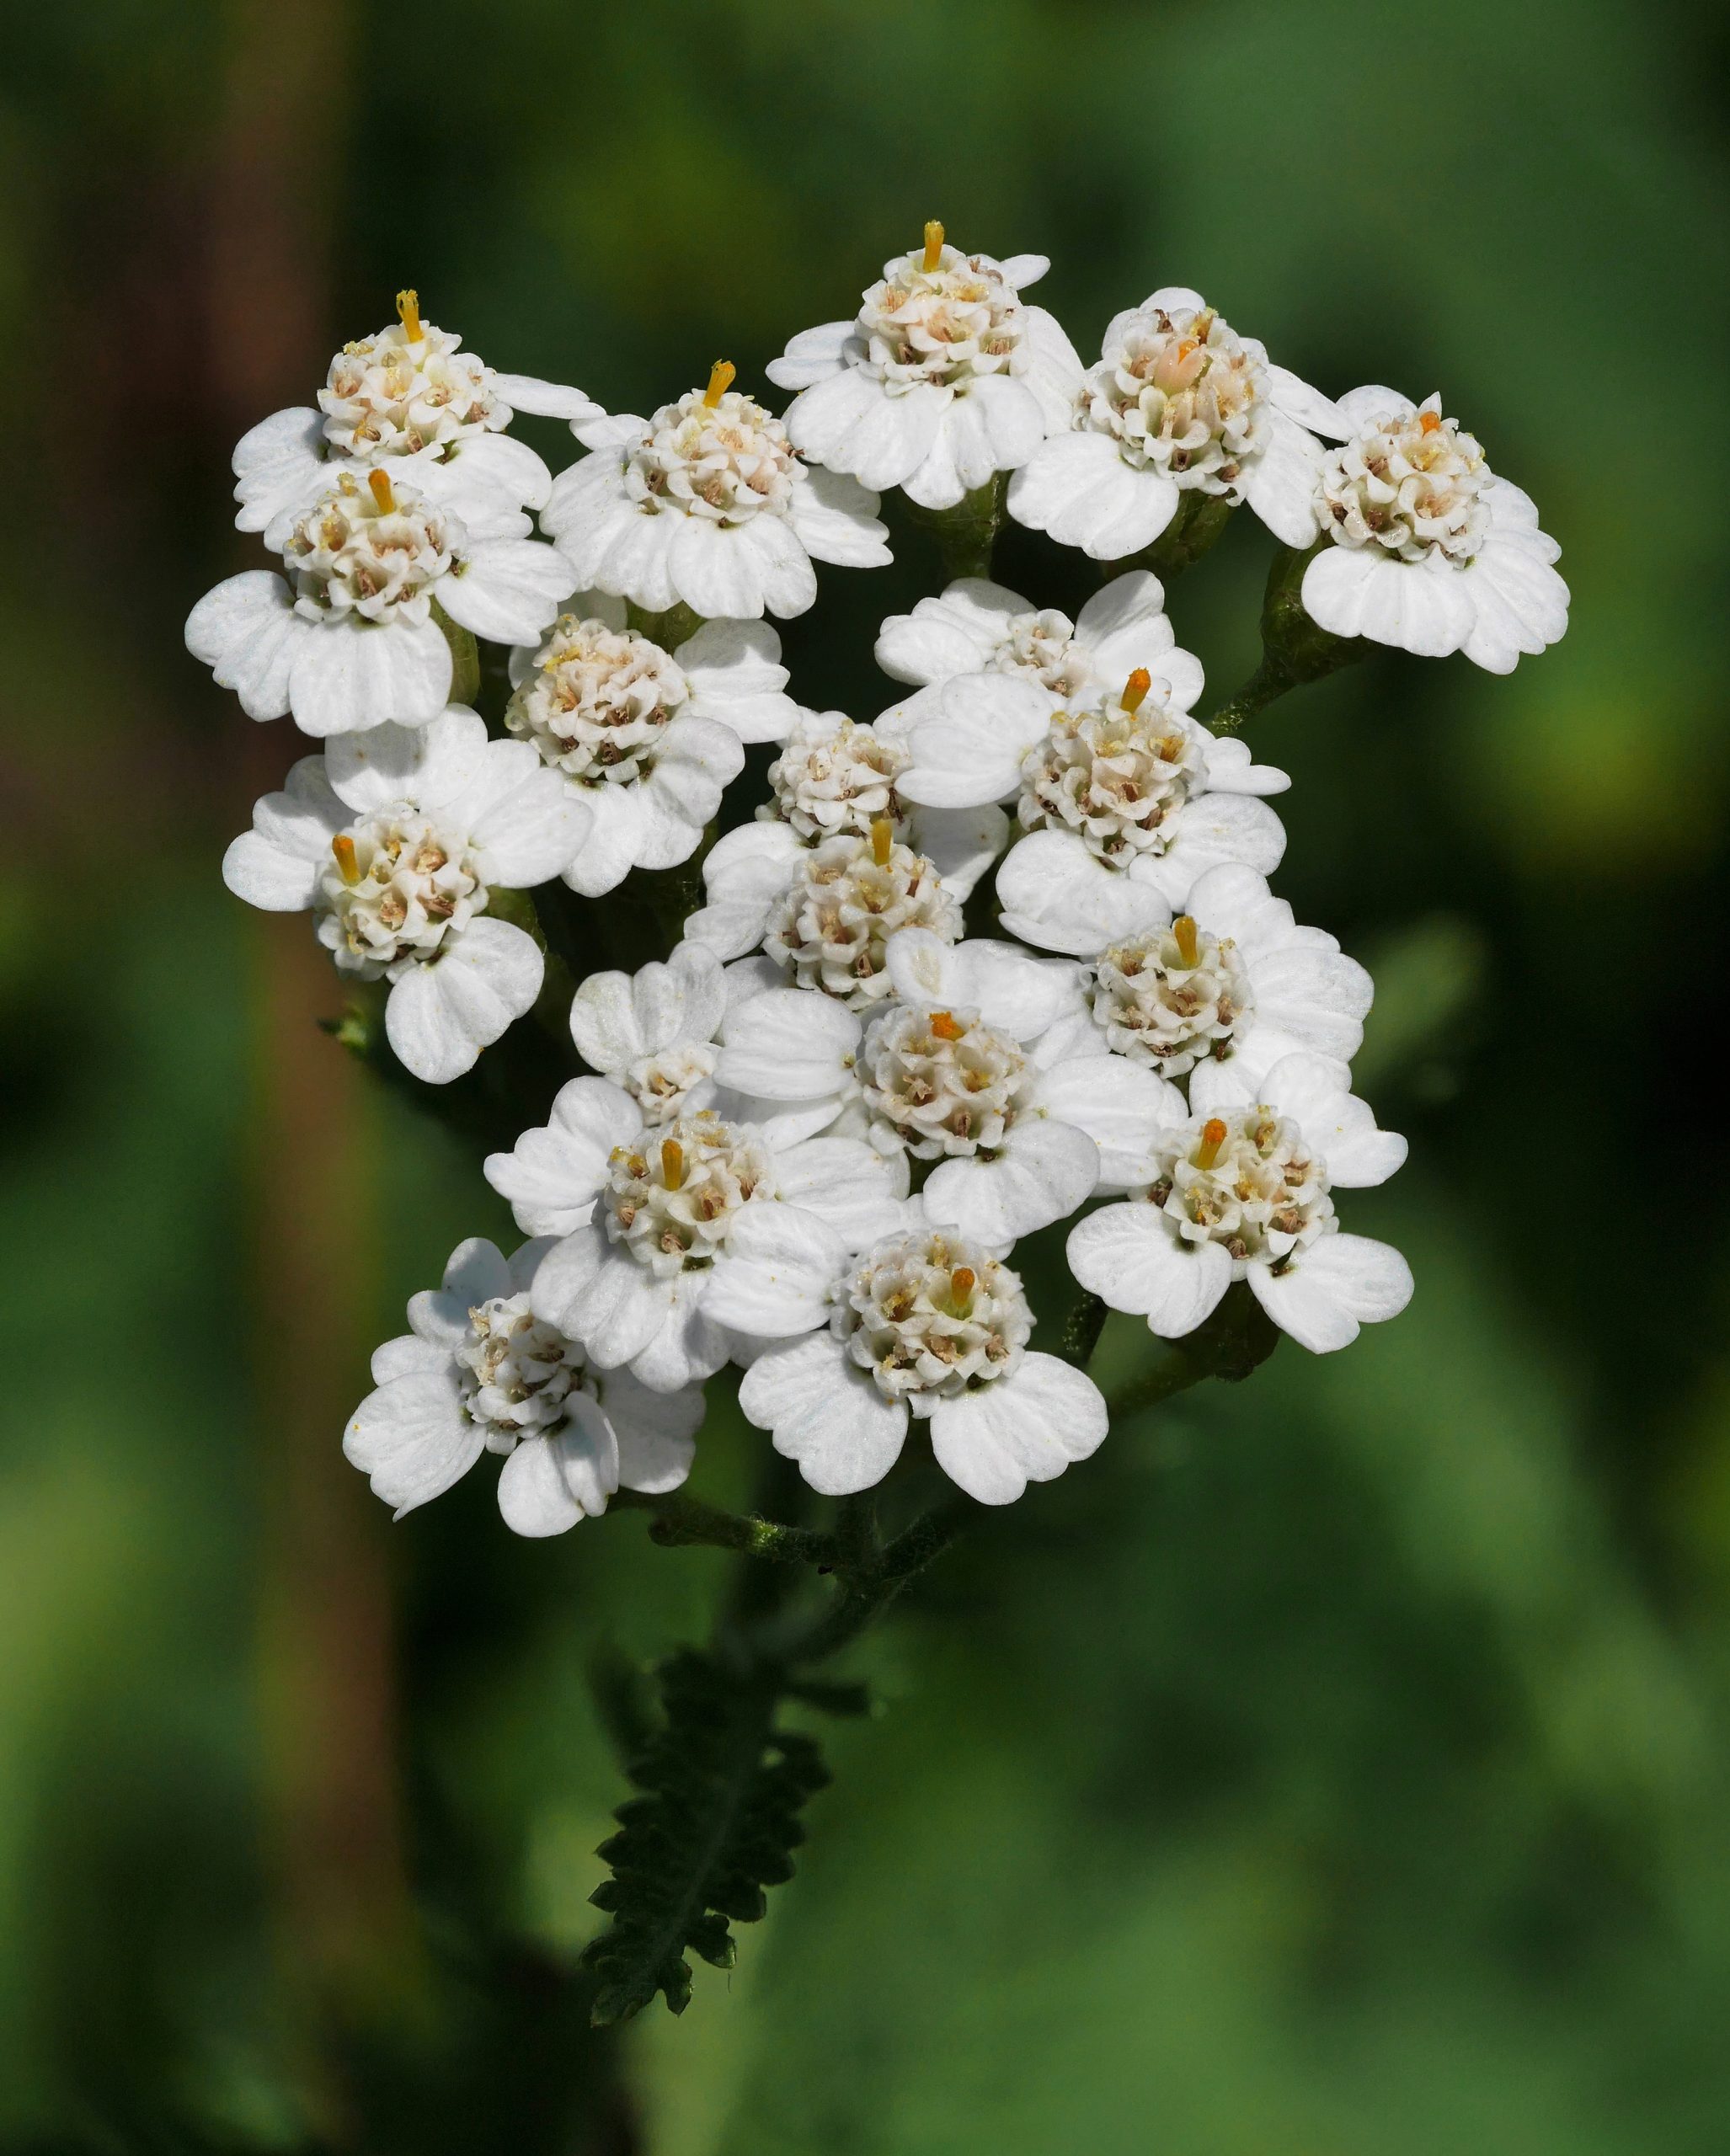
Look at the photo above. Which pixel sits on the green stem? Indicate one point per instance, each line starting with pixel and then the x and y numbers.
pixel 682 1522
pixel 967 533
pixel 1295 650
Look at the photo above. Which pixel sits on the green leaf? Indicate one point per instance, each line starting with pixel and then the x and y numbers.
pixel 716 1823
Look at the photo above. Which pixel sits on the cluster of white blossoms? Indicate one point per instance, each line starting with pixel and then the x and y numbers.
pixel 1001 963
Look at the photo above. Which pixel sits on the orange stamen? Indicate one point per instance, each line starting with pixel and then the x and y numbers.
pixel 961 1284
pixel 1135 689
pixel 934 246
pixel 380 483
pixel 1213 1137
pixel 1188 947
pixel 944 1026
pixel 1428 422
pixel 347 865
pixel 408 311
pixel 883 837
pixel 672 1163
pixel 720 382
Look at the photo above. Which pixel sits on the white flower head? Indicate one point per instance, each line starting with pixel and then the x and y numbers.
pixel 356 643
pixel 1242 1193
pixel 1178 403
pixel 984 1064
pixel 395 840
pixel 943 379
pixel 979 627
pixel 654 1033
pixel 707 505
pixel 410 394
pixel 686 1239
pixel 479 1372
pixel 1125 803
pixel 834 776
pixel 824 911
pixel 650 739
pixel 1429 550
pixel 928 1323
pixel 1234 985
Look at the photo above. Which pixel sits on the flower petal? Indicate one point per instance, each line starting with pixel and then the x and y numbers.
pixel 1026 1428
pixel 1045 1170
pixel 1339 1283
pixel 1130 1255
pixel 412 1439
pixel 826 1413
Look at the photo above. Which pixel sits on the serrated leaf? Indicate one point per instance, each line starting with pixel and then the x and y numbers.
pixel 715 1823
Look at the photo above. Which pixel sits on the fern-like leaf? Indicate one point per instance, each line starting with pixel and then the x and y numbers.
pixel 716 1824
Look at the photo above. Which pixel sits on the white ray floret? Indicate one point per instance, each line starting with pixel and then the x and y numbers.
pixel 654 1033
pixel 649 739
pixel 1427 549
pixel 1178 403
pixel 684 1240
pixel 707 505
pixel 943 379
pixel 356 642
pixel 409 394
pixel 479 1372
pixel 1243 1193
pixel 976 626
pixel 927 1324
pixel 1225 991
pixel 396 839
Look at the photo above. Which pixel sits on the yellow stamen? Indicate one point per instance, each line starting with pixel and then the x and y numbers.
pixel 1202 328
pixel 1428 422
pixel 673 1162
pixel 380 483
pixel 962 1283
pixel 883 837
pixel 347 867
pixel 1213 1137
pixel 934 246
pixel 1183 928
pixel 1135 688
pixel 408 308
pixel 944 1026
pixel 720 382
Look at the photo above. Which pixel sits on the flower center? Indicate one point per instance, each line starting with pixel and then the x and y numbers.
pixel 1412 485
pixel 715 454
pixel 826 782
pixel 1182 396
pixel 930 1316
pixel 1045 646
pixel 396 885
pixel 1115 776
pixel 940 317
pixel 406 389
pixel 661 1084
pixel 848 896
pixel 597 702
pixel 945 1085
pixel 371 551
pixel 671 1201
pixel 517 1374
pixel 1247 1180
pixel 1173 997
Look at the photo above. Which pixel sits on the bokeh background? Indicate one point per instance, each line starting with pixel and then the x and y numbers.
pixel 1337 1764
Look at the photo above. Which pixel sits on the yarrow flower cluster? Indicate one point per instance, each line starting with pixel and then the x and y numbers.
pixel 1000 964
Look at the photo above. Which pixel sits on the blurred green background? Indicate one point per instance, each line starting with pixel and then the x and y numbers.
pixel 1337 1765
